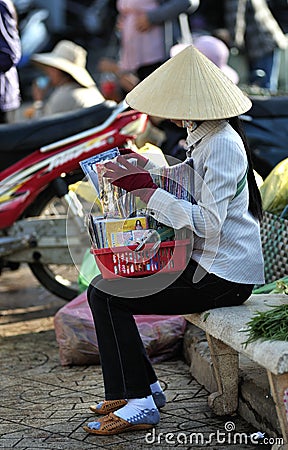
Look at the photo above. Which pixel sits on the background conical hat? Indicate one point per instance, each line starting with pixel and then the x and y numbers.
pixel 188 86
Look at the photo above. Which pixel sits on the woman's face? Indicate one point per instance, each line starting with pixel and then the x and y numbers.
pixel 179 123
pixel 191 125
pixel 183 123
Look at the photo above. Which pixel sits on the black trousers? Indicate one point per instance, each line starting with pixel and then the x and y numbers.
pixel 127 371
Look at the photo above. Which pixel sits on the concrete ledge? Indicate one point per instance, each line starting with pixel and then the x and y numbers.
pixel 256 404
pixel 229 325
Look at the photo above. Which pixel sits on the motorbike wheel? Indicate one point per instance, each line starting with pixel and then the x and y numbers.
pixel 60 280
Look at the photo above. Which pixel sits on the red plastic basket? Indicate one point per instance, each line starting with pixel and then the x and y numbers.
pixel 171 256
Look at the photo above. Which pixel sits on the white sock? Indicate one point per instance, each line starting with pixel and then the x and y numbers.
pixel 135 406
pixel 155 387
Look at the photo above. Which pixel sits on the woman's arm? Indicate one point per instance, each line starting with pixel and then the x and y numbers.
pixel 224 166
pixel 169 10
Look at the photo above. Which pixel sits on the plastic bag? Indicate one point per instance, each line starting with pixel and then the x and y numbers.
pixel 274 190
pixel 88 271
pixel 75 333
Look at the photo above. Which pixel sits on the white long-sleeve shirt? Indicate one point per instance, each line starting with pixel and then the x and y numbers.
pixel 226 235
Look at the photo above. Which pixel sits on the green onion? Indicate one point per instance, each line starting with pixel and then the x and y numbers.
pixel 268 325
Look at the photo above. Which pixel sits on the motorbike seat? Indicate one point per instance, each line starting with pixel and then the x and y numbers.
pixel 268 107
pixel 20 139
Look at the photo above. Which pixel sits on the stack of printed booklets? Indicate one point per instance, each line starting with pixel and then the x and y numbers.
pixel 122 223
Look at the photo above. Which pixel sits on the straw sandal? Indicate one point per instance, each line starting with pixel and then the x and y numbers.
pixel 108 406
pixel 112 424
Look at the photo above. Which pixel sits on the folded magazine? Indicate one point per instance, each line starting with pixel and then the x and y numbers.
pixel 90 169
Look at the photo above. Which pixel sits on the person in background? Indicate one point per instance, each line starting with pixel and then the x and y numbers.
pixel 147 32
pixel 254 29
pixel 223 217
pixel 215 50
pixel 218 52
pixel 72 87
pixel 208 18
pixel 10 54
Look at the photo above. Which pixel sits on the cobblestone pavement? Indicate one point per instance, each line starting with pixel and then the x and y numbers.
pixel 44 405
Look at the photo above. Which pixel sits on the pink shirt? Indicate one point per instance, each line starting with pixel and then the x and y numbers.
pixel 139 49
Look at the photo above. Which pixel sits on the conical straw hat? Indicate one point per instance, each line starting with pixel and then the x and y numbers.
pixel 188 87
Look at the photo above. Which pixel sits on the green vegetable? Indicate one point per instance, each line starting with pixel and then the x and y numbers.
pixel 206 315
pixel 281 287
pixel 269 325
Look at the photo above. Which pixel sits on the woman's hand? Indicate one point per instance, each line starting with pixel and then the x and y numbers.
pixel 131 178
pixel 127 153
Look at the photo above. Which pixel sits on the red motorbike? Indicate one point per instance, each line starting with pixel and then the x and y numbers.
pixel 38 162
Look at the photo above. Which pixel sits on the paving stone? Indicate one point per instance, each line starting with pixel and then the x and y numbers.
pixel 8 443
